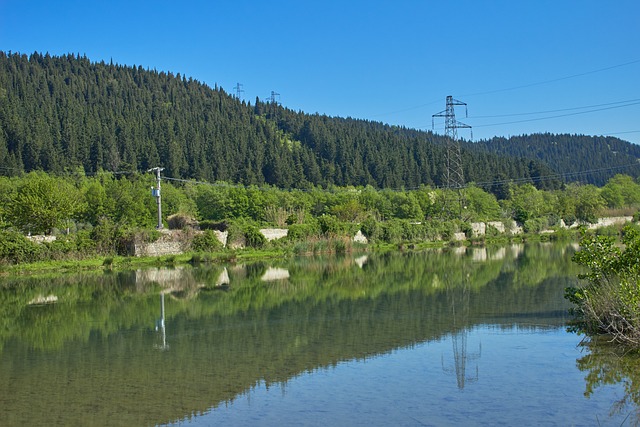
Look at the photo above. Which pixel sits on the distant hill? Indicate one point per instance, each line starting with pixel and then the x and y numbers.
pixel 60 113
pixel 576 157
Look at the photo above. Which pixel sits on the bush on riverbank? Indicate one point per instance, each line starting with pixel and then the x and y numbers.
pixel 609 303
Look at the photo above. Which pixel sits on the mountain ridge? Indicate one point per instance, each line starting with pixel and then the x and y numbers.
pixel 63 112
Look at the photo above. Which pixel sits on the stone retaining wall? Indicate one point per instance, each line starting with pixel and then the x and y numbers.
pixel 168 245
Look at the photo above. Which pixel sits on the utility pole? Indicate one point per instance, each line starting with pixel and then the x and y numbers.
pixel 454 174
pixel 155 192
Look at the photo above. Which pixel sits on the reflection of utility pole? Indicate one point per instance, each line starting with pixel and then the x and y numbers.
pixel 155 192
pixel 160 326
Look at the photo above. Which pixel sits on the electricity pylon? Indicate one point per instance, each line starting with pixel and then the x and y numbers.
pixel 239 90
pixel 275 101
pixel 454 173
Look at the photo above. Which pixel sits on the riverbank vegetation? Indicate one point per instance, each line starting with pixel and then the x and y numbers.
pixel 609 302
pixel 106 214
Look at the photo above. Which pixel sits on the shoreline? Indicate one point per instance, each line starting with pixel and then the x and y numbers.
pixel 119 263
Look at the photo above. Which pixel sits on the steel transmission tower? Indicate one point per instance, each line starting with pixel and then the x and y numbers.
pixel 275 101
pixel 454 174
pixel 275 96
pixel 239 90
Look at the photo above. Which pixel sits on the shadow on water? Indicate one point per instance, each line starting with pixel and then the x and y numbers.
pixel 156 346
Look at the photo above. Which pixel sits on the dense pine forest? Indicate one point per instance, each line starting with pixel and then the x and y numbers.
pixel 580 158
pixel 63 113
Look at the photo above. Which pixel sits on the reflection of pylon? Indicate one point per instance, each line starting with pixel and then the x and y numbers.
pixel 459 339
pixel 454 173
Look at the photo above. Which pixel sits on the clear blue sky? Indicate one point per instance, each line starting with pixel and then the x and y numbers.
pixel 389 61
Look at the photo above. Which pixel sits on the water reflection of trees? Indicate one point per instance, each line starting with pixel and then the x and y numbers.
pixel 607 364
pixel 224 343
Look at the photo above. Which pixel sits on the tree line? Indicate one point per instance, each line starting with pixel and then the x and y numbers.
pixel 61 113
pixel 92 214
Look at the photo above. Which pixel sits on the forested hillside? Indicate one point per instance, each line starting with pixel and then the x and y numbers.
pixel 64 113
pixel 587 159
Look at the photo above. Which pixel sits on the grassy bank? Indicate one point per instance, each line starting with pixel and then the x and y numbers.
pixel 271 251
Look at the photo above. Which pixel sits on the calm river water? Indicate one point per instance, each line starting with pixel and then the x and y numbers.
pixel 436 338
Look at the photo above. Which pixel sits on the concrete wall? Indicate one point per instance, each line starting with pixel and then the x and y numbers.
pixel 605 222
pixel 158 249
pixel 41 238
pixel 274 233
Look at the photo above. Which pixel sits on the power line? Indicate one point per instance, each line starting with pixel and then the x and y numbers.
pixel 560 115
pixel 514 87
pixel 620 133
pixel 406 109
pixel 553 80
pixel 562 176
pixel 554 111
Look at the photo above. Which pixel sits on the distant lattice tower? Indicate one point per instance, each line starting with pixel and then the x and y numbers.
pixel 275 101
pixel 239 90
pixel 454 173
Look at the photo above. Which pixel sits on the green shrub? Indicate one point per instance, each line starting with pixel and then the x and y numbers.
pixel 491 231
pixel 253 237
pixel 610 230
pixel 392 231
pixel 535 225
pixel 411 231
pixel 299 232
pixel 16 248
pixel 207 241
pixel 341 246
pixel 61 247
pixel 104 234
pixel 180 221
pixel 465 228
pixel 207 224
pixel 431 230
pixel 332 226
pixel 84 244
pixel 371 228
pixel 609 302
pixel 447 229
